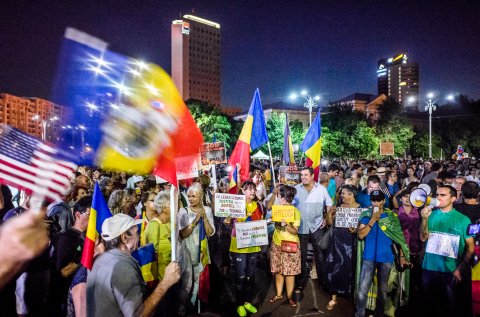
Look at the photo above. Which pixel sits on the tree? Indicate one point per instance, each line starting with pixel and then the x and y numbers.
pixel 397 131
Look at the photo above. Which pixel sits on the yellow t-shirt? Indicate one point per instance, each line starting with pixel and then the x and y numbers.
pixel 280 235
pixel 251 207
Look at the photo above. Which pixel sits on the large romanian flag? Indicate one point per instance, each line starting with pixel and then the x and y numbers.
pixel 288 157
pixel 98 213
pixel 253 135
pixel 312 145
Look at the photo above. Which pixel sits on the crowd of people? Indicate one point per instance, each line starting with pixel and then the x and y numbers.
pixel 404 256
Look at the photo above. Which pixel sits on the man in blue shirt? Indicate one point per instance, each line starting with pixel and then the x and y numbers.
pixel 377 255
pixel 332 185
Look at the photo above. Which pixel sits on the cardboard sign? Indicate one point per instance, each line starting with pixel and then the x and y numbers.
pixel 183 164
pixel 289 175
pixel 251 233
pixel 230 205
pixel 213 153
pixel 347 217
pixel 280 212
pixel 387 148
pixel 443 244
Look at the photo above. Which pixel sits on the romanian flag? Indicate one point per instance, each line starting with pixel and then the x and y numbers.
pixel 98 213
pixel 125 114
pixel 233 186
pixel 204 278
pixel 253 135
pixel 288 157
pixel 312 145
pixel 147 261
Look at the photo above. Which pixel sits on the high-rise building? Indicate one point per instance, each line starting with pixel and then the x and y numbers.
pixel 35 116
pixel 196 59
pixel 398 79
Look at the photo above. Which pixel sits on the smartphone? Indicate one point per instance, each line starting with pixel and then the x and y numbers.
pixel 473 229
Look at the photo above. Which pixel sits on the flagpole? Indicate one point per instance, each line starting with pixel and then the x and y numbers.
pixel 173 226
pixel 271 164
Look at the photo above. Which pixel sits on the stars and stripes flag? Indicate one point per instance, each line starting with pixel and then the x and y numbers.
pixel 32 165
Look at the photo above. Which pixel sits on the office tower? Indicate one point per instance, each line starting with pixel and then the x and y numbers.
pixel 398 79
pixel 196 59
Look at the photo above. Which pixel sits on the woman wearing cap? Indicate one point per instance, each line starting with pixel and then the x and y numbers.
pixel 245 259
pixel 196 224
pixel 115 286
pixel 340 258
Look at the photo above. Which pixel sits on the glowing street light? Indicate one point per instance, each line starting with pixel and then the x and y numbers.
pixel 310 101
pixel 44 124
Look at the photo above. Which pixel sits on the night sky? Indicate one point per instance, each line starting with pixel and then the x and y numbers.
pixel 279 46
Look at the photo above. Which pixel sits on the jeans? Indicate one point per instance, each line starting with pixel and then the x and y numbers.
pixel 244 264
pixel 366 279
pixel 314 238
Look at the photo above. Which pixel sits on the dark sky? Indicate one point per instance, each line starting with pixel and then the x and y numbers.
pixel 279 46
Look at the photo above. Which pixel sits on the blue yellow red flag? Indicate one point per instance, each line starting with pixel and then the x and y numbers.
pixel 204 278
pixel 253 135
pixel 147 261
pixel 98 213
pixel 312 144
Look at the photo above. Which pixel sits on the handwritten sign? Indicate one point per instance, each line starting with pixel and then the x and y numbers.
pixel 347 217
pixel 289 175
pixel 213 153
pixel 230 205
pixel 280 212
pixel 443 244
pixel 188 168
pixel 251 233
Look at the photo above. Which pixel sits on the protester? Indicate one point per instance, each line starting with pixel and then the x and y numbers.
pixel 194 221
pixel 340 257
pixel 115 285
pixel 245 259
pixel 117 201
pixel 410 177
pixel 445 270
pixel 378 228
pixel 310 200
pixel 285 264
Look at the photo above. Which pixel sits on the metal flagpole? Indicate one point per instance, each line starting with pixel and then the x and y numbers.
pixel 271 165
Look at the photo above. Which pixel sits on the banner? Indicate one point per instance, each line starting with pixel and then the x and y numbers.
pixel 251 233
pixel 213 153
pixel 186 164
pixel 280 212
pixel 289 175
pixel 230 205
pixel 347 217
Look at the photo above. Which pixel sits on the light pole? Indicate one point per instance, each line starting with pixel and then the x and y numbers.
pixel 430 107
pixel 44 124
pixel 310 102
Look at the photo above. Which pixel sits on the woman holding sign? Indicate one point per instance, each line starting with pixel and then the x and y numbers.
pixel 285 252
pixel 340 254
pixel 245 259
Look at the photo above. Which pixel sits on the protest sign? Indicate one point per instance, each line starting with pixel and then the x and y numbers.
pixel 289 175
pixel 186 164
pixel 213 153
pixel 347 217
pixel 230 205
pixel 280 212
pixel 387 148
pixel 251 233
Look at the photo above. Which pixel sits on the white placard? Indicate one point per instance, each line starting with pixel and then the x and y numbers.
pixel 251 233
pixel 443 244
pixel 230 205
pixel 188 165
pixel 347 217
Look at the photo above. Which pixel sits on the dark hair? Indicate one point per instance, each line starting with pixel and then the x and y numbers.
pixel 74 193
pixel 356 166
pixel 373 179
pixel 451 189
pixel 287 192
pixel 82 204
pixel 310 170
pixel 470 190
pixel 249 183
pixel 333 167
pixel 371 169
pixel 444 175
pixel 435 167
pixel 350 188
pixel 389 174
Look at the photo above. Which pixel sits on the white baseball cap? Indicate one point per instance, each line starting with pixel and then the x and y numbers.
pixel 114 226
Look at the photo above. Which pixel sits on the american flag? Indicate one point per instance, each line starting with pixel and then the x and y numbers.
pixel 32 165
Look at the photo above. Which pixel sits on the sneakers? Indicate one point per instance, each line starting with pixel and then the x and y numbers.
pixel 249 307
pixel 241 311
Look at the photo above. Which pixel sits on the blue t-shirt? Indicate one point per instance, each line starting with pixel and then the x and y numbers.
pixel 377 244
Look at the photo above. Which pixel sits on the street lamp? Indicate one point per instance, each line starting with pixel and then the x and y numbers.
pixel 44 124
pixel 310 101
